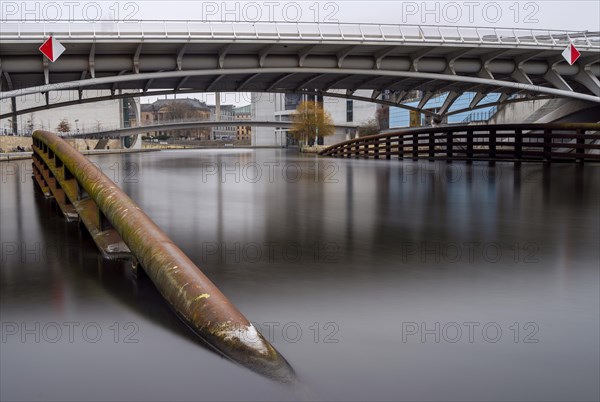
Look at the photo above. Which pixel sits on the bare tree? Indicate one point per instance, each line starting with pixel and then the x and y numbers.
pixel 179 111
pixel 64 126
pixel 369 127
pixel 31 123
pixel 183 110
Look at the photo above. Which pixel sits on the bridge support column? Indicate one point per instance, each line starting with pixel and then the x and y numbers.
pixel 449 145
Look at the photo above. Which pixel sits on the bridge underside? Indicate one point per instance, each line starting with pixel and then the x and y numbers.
pixel 392 72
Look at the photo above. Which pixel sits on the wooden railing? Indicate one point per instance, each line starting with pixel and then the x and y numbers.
pixel 509 142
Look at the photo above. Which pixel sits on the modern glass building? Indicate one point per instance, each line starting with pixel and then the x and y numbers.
pixel 400 117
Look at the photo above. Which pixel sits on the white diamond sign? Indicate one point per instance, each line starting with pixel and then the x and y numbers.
pixel 571 54
pixel 52 49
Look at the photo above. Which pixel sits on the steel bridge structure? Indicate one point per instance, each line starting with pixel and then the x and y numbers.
pixel 328 59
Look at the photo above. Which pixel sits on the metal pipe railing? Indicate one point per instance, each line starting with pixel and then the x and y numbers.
pixel 320 31
pixel 195 299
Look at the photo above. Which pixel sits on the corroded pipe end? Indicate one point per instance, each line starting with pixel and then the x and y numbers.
pixel 246 346
pixel 197 301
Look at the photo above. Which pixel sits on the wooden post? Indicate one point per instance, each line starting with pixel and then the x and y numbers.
pixel 519 144
pixel 415 147
pixel 400 147
pixel 388 148
pixel 469 145
pixel 431 146
pixel 492 144
pixel 547 145
pixel 580 151
pixel 449 144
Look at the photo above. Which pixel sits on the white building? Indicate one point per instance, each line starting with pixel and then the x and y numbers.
pixel 279 107
pixel 226 113
pixel 85 117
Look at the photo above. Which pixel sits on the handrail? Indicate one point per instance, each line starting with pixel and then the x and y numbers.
pixel 79 187
pixel 172 125
pixel 515 142
pixel 304 31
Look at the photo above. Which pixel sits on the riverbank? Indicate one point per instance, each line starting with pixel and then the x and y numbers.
pixel 192 147
pixel 9 143
pixel 15 156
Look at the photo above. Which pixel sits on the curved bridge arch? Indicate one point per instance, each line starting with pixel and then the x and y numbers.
pixel 391 61
pixel 186 125
pixel 335 72
pixel 343 95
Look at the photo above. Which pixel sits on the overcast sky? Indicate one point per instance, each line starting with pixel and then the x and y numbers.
pixel 558 14
pixel 544 14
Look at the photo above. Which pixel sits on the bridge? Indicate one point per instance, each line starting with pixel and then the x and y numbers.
pixel 191 124
pixel 329 59
pixel 577 142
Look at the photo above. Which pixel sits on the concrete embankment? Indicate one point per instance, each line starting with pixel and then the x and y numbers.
pixel 9 147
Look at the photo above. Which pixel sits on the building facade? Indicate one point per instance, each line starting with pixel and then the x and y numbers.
pixel 227 113
pixel 400 118
pixel 81 118
pixel 280 107
pixel 243 133
pixel 164 110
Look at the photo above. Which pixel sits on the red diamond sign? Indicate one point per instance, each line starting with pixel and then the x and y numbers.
pixel 52 49
pixel 571 54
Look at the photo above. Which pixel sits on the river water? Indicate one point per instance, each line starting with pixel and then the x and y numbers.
pixel 384 280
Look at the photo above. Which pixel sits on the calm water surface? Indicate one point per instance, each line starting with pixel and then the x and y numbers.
pixel 376 280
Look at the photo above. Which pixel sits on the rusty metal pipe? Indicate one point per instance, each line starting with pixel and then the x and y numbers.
pixel 195 299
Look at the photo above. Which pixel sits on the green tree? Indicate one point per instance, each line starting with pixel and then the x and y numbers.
pixel 310 121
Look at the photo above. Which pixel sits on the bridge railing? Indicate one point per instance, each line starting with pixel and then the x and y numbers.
pixel 104 128
pixel 513 142
pixel 119 227
pixel 323 31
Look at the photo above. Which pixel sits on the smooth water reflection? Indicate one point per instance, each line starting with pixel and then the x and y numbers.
pixel 376 280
